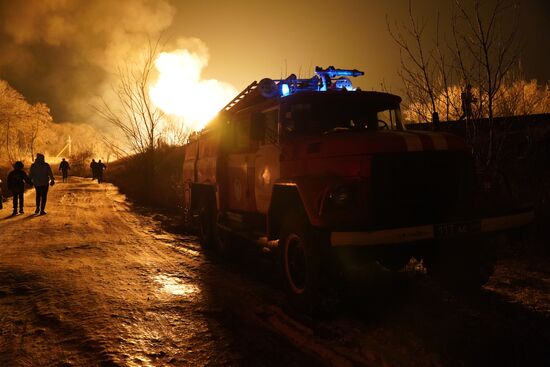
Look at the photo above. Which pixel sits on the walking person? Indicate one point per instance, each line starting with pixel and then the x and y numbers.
pixel 100 168
pixel 64 168
pixel 16 184
pixel 41 176
pixel 1 197
pixel 467 99
pixel 93 167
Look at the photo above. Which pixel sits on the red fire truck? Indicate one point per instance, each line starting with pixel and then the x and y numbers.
pixel 322 173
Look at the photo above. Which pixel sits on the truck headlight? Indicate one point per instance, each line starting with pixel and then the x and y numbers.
pixel 341 196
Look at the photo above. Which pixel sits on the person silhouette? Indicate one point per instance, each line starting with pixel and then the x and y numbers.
pixel 100 168
pixel 16 184
pixel 93 167
pixel 467 98
pixel 41 175
pixel 1 197
pixel 64 168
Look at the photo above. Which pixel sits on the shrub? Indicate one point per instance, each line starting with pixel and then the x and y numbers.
pixel 153 179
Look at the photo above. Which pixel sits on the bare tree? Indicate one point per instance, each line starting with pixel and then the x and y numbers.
pixel 13 108
pixel 486 41
pixel 518 96
pixel 133 113
pixel 175 132
pixel 26 129
pixel 21 124
pixel 417 65
pixel 38 121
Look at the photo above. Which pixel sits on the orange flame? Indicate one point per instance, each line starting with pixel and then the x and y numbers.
pixel 180 90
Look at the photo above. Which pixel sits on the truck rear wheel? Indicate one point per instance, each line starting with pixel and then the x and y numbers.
pixel 207 225
pixel 216 242
pixel 225 241
pixel 301 253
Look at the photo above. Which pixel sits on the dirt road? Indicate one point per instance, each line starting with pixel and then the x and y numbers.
pixel 96 283
pixel 91 283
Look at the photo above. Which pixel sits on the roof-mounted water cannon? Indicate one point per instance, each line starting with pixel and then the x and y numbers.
pixel 332 78
pixel 332 73
pixel 325 79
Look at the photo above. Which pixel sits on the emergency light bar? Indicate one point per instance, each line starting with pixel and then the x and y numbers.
pixel 325 79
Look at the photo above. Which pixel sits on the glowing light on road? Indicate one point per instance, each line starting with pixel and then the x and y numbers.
pixel 175 286
pixel 181 91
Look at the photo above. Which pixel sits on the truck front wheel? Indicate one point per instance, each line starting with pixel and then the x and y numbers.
pixel 301 259
pixel 463 268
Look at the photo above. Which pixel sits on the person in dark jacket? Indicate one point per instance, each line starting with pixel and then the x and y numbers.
pixel 100 168
pixel 16 184
pixel 64 168
pixel 93 167
pixel 41 175
pixel 1 197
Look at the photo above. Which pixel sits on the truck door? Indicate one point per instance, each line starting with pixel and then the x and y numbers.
pixel 267 159
pixel 240 165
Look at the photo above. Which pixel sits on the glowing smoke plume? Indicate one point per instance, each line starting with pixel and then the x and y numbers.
pixel 67 52
pixel 181 91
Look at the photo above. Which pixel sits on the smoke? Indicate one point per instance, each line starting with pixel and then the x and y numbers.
pixel 64 52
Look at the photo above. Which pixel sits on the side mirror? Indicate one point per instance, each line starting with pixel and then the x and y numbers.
pixel 257 128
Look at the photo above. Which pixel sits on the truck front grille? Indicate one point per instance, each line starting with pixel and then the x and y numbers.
pixel 416 188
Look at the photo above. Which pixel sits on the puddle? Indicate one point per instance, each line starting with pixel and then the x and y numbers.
pixel 175 286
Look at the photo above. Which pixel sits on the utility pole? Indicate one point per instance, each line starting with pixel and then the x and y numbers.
pixel 68 146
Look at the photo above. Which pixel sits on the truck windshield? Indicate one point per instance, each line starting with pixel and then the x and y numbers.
pixel 325 117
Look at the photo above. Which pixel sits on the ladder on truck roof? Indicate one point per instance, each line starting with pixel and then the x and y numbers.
pixel 241 95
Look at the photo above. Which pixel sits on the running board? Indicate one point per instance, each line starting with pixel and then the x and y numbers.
pixel 262 241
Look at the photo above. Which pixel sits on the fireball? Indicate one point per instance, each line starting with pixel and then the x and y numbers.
pixel 181 91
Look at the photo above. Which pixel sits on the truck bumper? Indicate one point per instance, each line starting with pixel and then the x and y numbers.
pixel 431 231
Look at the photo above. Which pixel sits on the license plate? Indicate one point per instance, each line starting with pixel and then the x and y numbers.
pixel 456 229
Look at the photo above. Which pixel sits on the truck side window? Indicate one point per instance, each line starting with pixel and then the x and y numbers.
pixel 271 127
pixel 227 136
pixel 242 134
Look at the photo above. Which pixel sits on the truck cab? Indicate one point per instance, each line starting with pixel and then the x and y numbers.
pixel 319 172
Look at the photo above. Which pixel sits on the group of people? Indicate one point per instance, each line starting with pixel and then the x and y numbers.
pixel 41 178
pixel 97 170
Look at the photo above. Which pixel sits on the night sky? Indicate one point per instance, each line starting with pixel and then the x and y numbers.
pixel 65 52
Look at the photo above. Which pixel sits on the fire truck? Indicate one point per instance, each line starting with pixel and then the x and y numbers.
pixel 324 174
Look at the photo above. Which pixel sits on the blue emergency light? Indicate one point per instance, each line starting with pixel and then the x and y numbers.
pixel 285 90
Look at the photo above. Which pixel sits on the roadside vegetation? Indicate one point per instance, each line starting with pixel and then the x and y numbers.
pixel 151 149
pixel 153 180
pixel 27 129
pixel 469 81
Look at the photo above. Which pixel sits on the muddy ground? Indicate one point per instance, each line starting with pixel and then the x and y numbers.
pixel 97 282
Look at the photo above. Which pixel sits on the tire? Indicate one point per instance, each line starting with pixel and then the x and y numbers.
pixel 463 268
pixel 302 252
pixel 207 225
pixel 225 242
pixel 217 243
